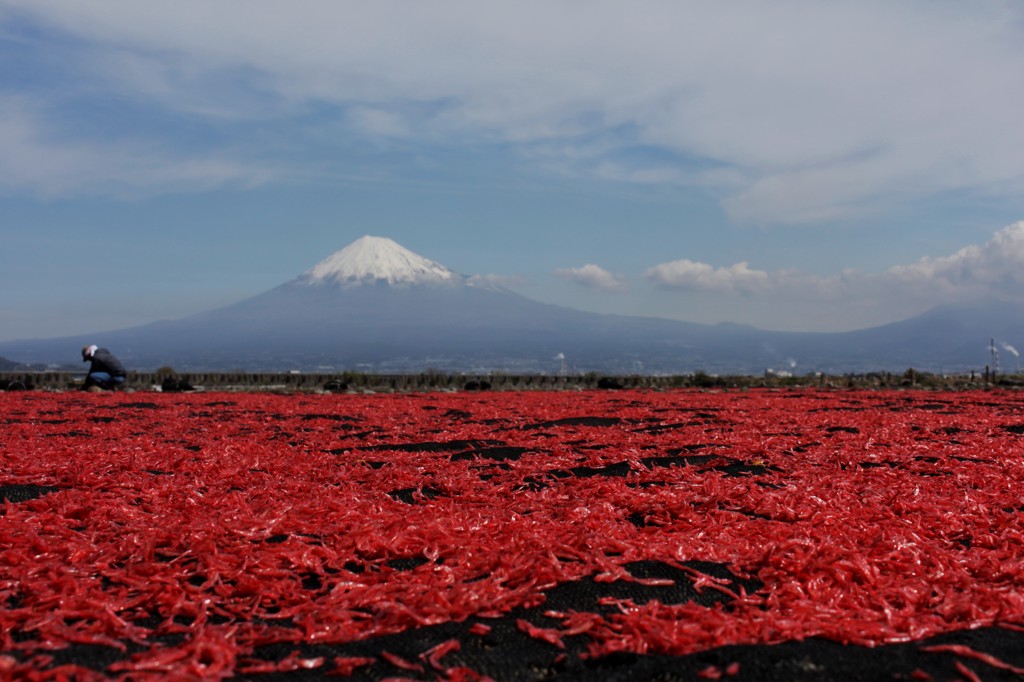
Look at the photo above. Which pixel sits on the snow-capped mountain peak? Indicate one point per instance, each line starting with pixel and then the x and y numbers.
pixel 370 260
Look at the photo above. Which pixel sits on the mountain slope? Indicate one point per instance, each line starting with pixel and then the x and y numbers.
pixel 376 306
pixel 949 337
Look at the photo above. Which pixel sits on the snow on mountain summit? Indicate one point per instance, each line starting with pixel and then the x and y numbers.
pixel 377 259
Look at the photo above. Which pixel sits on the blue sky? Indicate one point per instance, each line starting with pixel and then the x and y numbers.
pixel 791 165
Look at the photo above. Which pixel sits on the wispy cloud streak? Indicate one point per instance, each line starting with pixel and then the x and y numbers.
pixel 797 112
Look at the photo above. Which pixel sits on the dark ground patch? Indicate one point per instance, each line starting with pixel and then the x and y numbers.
pixel 23 492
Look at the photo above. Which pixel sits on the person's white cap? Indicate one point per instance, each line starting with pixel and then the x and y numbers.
pixel 87 351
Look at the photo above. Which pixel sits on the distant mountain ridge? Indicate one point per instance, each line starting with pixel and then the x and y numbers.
pixel 11 366
pixel 376 306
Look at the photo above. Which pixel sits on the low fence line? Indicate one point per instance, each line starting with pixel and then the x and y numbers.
pixel 335 382
pixel 431 381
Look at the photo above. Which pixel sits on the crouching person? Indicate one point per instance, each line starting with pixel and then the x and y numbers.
pixel 106 372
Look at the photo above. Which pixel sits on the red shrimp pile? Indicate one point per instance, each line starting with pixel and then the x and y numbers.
pixel 184 534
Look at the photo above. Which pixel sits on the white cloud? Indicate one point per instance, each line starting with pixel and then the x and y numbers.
pixel 995 268
pixel 689 275
pixel 798 111
pixel 592 276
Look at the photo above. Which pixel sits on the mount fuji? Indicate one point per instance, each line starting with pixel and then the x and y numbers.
pixel 375 306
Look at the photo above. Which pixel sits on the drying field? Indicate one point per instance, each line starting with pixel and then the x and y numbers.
pixel 779 535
